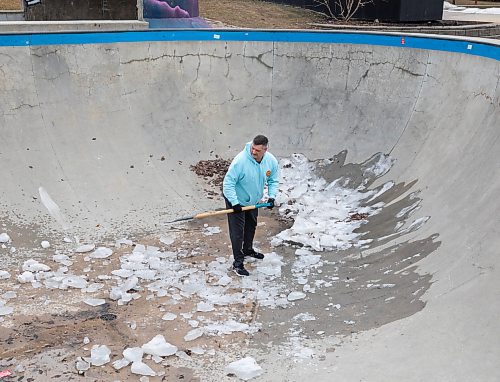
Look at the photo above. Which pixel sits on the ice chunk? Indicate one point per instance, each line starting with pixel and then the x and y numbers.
pixel 45 244
pixel 4 275
pixel 293 296
pixel 204 307
pixel 4 238
pixel 167 239
pixel 10 294
pixel 123 273
pixel 120 364
pixel 209 231
pixel 26 277
pixel 85 248
pixel 270 265
pixel 5 310
pixel 142 369
pixel 229 326
pixel 76 282
pixel 169 317
pixel 158 346
pixel 91 288
pixel 197 350
pixel 303 352
pixel 225 280
pixel 62 259
pixel 193 334
pixel 245 369
pixel 81 365
pixel 183 355
pixel 94 301
pixel 133 354
pixel 101 253
pixel 34 266
pixel 86 340
pixel 304 317
pixel 99 355
pixel 123 241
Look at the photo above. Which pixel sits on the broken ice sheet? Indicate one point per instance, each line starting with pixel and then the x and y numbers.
pixel 197 350
pixel 85 248
pixel 9 295
pixel 62 259
pixel 94 301
pixel 141 368
pixel 34 266
pixel 133 354
pixel 169 317
pixel 120 364
pixel 26 277
pixel 81 365
pixel 204 307
pixel 293 296
pixel 99 355
pixel 159 347
pixel 304 317
pixel 209 231
pixel 5 310
pixel 167 239
pixel 193 334
pixel 245 369
pixel 101 253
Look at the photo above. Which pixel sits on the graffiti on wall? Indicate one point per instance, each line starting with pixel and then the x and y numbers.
pixel 162 9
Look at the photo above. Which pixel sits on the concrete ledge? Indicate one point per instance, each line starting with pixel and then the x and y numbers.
pixel 70 26
pixel 12 15
pixel 488 30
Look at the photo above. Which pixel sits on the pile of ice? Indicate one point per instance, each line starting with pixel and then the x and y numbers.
pixel 455 8
pixel 322 211
pixel 157 349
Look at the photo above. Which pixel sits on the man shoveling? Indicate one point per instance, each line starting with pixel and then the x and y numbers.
pixel 250 171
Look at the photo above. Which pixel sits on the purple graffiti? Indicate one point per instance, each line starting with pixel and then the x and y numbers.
pixel 159 9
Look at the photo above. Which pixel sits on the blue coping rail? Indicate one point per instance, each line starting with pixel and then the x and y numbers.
pixel 476 48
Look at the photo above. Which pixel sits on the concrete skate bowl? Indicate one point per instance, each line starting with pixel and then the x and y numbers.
pixel 98 132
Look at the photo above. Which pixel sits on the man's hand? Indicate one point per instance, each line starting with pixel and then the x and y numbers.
pixel 237 208
pixel 271 201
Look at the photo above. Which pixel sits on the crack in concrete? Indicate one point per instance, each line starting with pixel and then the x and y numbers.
pixel 484 95
pixel 417 98
pixel 23 105
pixel 152 59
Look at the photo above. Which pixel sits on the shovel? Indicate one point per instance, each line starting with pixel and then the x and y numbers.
pixel 220 212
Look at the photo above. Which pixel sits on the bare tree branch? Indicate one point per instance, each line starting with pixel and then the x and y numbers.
pixel 346 8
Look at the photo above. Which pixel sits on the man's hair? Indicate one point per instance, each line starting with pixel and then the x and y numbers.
pixel 260 140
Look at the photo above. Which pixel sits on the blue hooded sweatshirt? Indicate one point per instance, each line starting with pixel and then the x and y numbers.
pixel 245 180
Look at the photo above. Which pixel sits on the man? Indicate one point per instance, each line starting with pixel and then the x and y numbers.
pixel 243 185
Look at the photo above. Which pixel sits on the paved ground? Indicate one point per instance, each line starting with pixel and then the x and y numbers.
pixel 109 132
pixel 479 17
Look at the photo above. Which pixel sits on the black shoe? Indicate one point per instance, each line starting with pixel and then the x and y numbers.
pixel 255 255
pixel 240 270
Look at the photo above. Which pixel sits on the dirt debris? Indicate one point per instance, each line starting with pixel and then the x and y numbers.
pixel 212 170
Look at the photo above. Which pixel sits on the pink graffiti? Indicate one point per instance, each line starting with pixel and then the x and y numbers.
pixel 161 9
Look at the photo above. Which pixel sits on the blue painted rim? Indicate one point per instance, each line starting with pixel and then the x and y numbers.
pixel 482 49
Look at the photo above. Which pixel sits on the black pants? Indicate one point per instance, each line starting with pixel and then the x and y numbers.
pixel 241 232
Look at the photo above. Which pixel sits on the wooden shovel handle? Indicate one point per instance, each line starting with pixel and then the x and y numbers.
pixel 228 211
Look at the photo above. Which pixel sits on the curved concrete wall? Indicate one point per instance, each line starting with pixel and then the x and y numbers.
pixel 110 129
